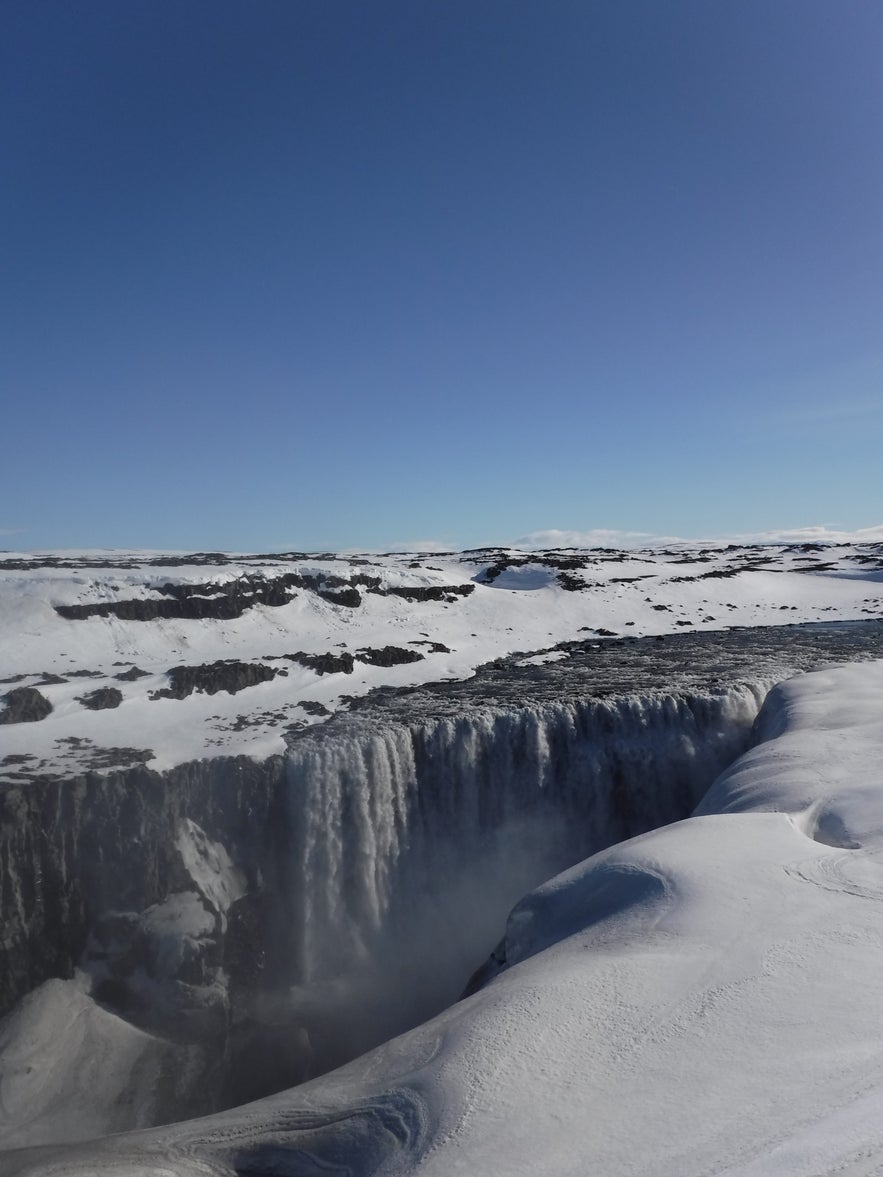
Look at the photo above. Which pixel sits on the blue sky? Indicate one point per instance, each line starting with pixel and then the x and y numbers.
pixel 325 274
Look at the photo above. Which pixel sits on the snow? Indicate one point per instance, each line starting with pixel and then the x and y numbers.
pixel 702 999
pixel 527 608
pixel 72 1070
pixel 208 865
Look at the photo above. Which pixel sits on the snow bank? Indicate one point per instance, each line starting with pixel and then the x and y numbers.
pixel 71 1069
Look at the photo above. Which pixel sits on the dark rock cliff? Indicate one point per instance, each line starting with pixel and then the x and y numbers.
pixel 72 849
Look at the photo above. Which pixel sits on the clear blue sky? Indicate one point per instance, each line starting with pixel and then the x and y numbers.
pixel 323 274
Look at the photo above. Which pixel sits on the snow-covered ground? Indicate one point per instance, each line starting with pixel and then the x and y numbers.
pixel 300 634
pixel 702 999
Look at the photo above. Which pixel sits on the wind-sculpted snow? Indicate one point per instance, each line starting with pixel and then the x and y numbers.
pixel 702 998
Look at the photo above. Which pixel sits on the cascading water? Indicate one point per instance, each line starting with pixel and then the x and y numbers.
pixel 415 841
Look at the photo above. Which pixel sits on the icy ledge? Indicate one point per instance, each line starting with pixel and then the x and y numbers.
pixel 702 999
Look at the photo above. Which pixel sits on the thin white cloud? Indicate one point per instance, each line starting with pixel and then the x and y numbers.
pixel 599 537
pixel 415 546
pixel 820 533
pixel 611 538
pixel 421 545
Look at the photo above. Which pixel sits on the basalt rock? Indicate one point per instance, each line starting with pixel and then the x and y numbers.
pixel 104 699
pixel 433 592
pixel 323 663
pixel 25 705
pixel 131 675
pixel 211 677
pixel 350 597
pixel 313 707
pixel 389 656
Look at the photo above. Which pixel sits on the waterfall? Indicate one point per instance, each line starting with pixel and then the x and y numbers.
pixel 411 842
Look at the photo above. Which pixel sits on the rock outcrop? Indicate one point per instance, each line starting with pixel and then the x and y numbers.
pixel 230 676
pixel 24 705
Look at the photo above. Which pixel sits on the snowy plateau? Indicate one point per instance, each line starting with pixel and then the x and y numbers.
pixel 492 862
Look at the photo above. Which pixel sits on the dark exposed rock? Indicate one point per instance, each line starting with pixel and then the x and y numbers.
pixel 817 566
pixel 104 699
pixel 128 954
pixel 211 677
pixel 75 847
pixel 434 647
pixel 350 597
pixel 227 600
pixel 224 600
pixel 221 607
pixel 430 592
pixel 131 675
pixel 91 758
pixel 571 583
pixel 719 573
pixel 563 564
pixel 84 674
pixel 245 956
pixel 95 561
pixel 389 656
pixel 51 680
pixel 313 707
pixel 103 758
pixel 323 663
pixel 24 705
